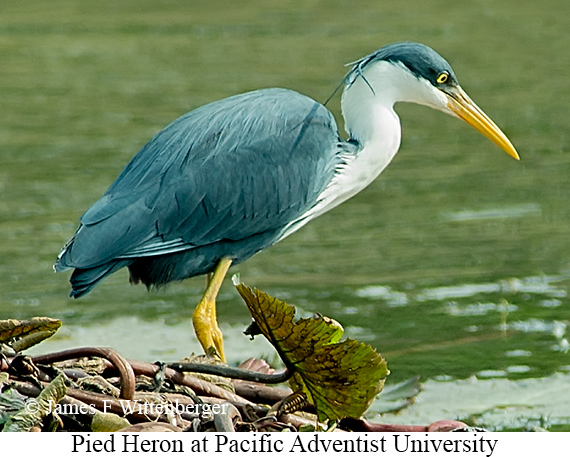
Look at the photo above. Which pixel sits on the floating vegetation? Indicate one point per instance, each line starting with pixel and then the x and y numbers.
pixel 340 378
pixel 96 389
pixel 22 335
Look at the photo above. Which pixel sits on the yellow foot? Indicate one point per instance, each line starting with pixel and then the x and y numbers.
pixel 206 327
pixel 204 317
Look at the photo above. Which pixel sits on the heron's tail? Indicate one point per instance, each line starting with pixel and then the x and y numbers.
pixel 83 280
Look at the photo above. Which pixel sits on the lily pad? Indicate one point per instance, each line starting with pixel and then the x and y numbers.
pixel 341 378
pixel 397 397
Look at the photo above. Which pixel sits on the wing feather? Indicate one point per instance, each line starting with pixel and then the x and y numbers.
pixel 226 171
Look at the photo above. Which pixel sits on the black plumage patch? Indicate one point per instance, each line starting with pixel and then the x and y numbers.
pixel 420 59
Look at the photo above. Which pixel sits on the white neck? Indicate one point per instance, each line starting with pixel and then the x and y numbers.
pixel 370 119
pixel 377 130
pixel 366 109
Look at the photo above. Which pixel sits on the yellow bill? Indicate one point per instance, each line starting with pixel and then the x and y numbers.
pixel 465 108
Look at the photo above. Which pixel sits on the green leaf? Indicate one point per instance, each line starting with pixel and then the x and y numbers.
pixel 37 408
pixel 11 400
pixel 108 422
pixel 340 378
pixel 22 335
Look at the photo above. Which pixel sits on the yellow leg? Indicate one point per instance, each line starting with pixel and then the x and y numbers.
pixel 204 317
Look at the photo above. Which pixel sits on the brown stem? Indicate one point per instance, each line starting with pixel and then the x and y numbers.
pixel 259 393
pixel 363 425
pixel 125 370
pixel 224 420
pixel 233 372
pixel 199 386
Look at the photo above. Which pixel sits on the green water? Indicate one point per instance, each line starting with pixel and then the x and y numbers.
pixel 455 263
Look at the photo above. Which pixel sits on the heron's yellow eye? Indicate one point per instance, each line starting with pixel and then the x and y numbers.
pixel 442 77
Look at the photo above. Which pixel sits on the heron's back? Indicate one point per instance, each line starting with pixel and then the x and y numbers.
pixel 223 180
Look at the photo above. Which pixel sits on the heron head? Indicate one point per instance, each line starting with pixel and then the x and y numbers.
pixel 416 73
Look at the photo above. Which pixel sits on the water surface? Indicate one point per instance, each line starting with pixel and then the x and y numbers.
pixel 455 264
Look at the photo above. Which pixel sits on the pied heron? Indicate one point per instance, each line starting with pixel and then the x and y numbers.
pixel 236 176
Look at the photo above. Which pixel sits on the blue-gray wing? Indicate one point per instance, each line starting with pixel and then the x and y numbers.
pixel 229 170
